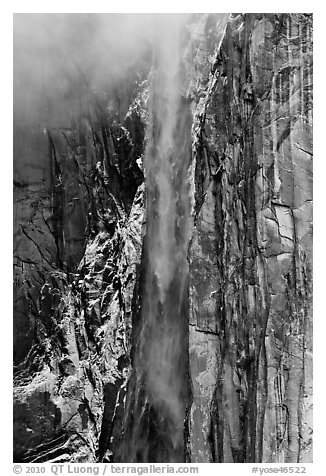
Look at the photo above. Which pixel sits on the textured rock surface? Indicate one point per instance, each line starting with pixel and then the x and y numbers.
pixel 79 224
pixel 250 259
pixel 78 220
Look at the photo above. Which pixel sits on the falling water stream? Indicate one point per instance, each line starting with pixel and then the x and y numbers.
pixel 157 397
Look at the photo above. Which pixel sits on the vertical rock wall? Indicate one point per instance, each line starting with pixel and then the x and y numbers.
pixel 78 220
pixel 250 259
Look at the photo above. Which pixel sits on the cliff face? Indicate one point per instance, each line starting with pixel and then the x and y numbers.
pixel 79 211
pixel 250 259
pixel 77 244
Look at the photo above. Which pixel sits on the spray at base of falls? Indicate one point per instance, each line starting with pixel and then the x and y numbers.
pixel 158 393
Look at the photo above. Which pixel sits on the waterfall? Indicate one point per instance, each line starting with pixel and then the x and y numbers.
pixel 158 393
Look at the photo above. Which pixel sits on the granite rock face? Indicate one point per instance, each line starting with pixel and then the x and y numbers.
pixel 251 252
pixel 78 218
pixel 79 228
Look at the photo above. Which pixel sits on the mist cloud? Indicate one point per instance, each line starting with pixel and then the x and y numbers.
pixel 60 60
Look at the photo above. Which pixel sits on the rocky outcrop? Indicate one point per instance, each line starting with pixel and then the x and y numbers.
pixel 79 224
pixel 79 362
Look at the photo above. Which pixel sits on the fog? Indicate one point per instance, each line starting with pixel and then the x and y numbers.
pixel 60 60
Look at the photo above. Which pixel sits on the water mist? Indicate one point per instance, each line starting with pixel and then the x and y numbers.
pixel 158 393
